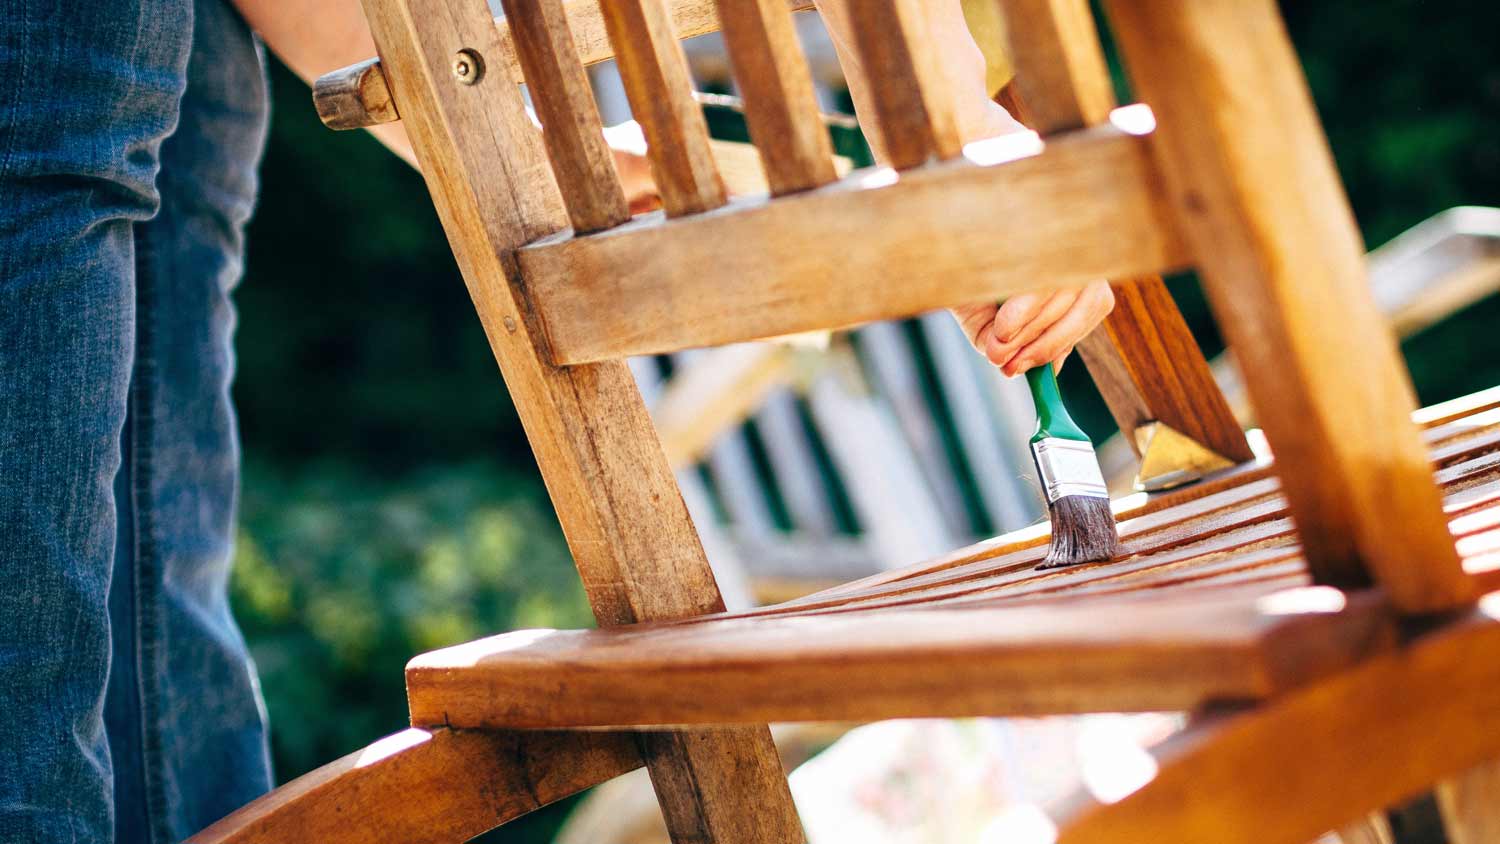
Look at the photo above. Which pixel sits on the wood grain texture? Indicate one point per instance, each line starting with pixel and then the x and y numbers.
pixel 1148 655
pixel 428 787
pixel 1143 357
pixel 1322 755
pixel 624 519
pixel 781 107
pixel 1149 368
pixel 1169 538
pixel 1060 71
pixel 1254 185
pixel 914 110
pixel 345 104
pixel 1451 431
pixel 655 73
pixel 571 128
pixel 1470 803
pixel 354 97
pixel 950 233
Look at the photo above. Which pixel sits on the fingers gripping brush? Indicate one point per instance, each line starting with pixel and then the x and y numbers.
pixel 1083 528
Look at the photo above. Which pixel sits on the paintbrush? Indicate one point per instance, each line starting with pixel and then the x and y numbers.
pixel 1083 528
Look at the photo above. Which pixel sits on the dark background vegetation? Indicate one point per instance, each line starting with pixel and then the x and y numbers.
pixel 391 504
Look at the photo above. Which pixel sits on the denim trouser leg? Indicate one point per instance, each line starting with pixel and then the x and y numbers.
pixel 183 706
pixel 89 92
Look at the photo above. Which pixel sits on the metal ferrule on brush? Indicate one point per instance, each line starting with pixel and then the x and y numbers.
pixel 1068 467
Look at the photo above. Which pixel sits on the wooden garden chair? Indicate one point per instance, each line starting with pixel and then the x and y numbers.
pixel 1335 667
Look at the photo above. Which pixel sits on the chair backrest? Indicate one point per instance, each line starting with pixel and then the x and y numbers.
pixel 605 289
pixel 1236 181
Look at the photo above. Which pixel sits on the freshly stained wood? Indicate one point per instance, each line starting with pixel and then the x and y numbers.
pixel 1256 192
pixel 419 786
pixel 570 120
pixel 1286 772
pixel 659 88
pixel 1150 369
pixel 762 268
pixel 630 533
pixel 1456 409
pixel 1161 654
pixel 1234 516
pixel 781 108
pixel 914 109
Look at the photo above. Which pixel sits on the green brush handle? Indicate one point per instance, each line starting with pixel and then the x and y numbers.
pixel 1052 419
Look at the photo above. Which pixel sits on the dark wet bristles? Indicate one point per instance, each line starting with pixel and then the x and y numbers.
pixel 1083 531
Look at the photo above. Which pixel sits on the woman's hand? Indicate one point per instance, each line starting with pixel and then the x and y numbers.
pixel 1031 329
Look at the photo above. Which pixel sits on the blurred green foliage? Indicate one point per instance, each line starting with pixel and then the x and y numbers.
pixel 391 504
pixel 341 579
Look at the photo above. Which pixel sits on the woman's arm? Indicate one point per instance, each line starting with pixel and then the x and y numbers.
pixel 313 37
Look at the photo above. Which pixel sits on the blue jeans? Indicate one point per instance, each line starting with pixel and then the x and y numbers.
pixel 130 131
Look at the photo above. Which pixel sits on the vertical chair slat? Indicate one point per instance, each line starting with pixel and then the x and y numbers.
pixel 913 108
pixel 1144 359
pixel 780 104
pixel 1060 68
pixel 657 83
pixel 1253 183
pixel 630 533
pixel 564 101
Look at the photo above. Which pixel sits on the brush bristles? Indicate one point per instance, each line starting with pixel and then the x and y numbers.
pixel 1083 531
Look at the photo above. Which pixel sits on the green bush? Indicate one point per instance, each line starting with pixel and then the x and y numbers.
pixel 342 575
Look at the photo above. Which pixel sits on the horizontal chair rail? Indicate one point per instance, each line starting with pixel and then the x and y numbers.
pixel 949 233
pixel 1122 655
pixel 354 800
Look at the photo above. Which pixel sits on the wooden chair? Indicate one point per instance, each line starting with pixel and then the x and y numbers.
pixel 1336 667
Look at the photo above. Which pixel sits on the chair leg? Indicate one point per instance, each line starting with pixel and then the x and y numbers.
pixel 1287 772
pixel 631 536
pixel 1470 803
pixel 428 787
pixel 1252 180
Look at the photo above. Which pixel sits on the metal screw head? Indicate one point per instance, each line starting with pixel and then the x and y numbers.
pixel 467 67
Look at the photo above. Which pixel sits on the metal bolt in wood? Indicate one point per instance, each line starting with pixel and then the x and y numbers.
pixel 467 66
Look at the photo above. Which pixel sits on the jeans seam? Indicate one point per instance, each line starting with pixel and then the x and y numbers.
pixel 145 552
